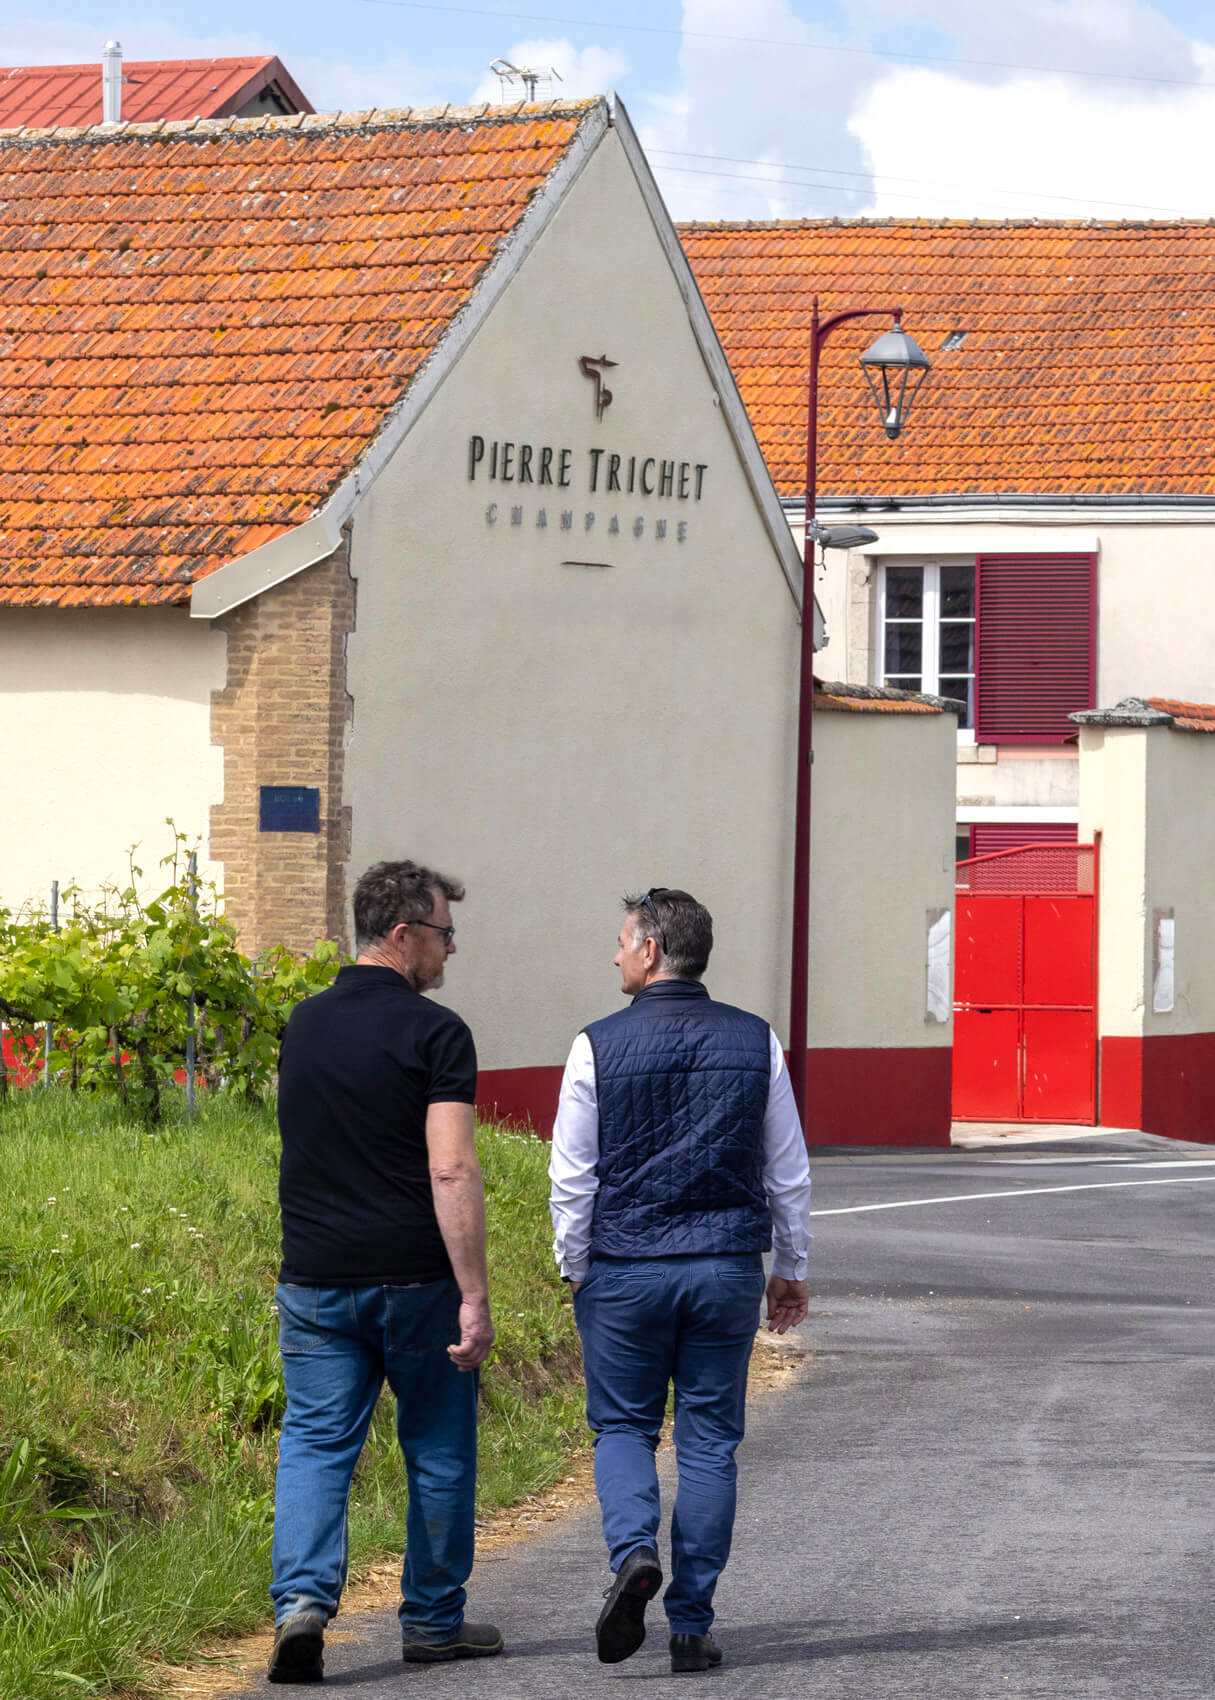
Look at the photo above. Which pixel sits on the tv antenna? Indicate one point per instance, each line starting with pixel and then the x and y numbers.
pixel 528 75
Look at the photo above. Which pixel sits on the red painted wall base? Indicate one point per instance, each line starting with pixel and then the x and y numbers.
pixel 523 1096
pixel 880 1097
pixel 1162 1084
pixel 869 1097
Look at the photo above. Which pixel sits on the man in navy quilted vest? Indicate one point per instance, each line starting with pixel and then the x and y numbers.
pixel 677 1161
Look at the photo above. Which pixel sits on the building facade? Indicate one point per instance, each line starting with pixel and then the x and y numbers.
pixel 1046 520
pixel 379 487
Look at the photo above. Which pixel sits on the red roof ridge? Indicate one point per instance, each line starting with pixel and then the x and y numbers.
pixel 375 117
pixel 93 66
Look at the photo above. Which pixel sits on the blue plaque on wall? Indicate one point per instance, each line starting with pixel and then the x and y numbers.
pixel 290 808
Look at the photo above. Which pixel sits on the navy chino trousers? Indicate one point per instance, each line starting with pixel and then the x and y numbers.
pixel 645 1323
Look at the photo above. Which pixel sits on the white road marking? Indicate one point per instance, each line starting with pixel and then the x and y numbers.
pixel 1113 1162
pixel 1022 1192
pixel 1179 1163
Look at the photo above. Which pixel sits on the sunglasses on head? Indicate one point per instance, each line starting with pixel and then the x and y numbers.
pixel 646 901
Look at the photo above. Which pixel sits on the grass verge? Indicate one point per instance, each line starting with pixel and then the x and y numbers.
pixel 140 1392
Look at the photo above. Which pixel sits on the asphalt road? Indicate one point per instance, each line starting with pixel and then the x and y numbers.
pixel 993 1479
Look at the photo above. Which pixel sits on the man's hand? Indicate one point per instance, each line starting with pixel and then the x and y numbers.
pixel 787 1304
pixel 476 1335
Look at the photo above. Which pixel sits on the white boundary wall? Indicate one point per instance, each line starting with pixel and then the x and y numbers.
pixel 107 723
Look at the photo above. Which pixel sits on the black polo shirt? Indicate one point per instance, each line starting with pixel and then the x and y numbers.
pixel 359 1065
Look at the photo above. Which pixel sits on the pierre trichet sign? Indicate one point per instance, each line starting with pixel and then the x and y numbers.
pixel 556 474
pixel 599 471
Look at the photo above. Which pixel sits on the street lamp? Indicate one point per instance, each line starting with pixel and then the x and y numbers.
pixel 895 368
pixel 888 364
pixel 842 536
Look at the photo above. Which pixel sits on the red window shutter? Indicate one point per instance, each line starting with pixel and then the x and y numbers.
pixel 989 837
pixel 1035 652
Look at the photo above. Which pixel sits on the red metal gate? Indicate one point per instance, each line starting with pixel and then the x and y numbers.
pixel 1025 1030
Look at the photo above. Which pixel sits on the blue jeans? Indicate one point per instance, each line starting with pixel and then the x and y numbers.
pixel 646 1322
pixel 339 1345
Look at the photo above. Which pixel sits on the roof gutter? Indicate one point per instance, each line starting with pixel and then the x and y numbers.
pixel 1010 502
pixel 304 545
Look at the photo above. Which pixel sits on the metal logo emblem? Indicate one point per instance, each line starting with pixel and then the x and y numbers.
pixel 594 369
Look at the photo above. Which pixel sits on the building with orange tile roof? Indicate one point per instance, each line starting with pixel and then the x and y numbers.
pixel 1044 526
pixel 1046 516
pixel 375 484
pixel 39 97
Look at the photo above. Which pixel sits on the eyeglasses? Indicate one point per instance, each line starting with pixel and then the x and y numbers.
pixel 646 901
pixel 448 933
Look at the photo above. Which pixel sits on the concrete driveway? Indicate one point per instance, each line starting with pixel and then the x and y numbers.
pixel 993 1479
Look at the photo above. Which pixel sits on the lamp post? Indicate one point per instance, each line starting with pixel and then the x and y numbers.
pixel 895 367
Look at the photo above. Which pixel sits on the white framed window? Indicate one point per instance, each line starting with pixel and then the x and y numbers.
pixel 926 631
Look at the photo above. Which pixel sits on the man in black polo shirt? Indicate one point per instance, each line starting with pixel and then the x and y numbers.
pixel 383 1274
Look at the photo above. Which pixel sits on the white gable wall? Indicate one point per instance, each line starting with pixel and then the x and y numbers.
pixel 554 734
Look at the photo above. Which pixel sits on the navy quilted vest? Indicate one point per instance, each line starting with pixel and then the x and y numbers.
pixel 682 1084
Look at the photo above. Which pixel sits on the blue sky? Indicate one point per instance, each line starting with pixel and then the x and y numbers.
pixel 769 108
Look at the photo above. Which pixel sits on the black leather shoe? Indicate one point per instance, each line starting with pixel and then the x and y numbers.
pixel 471 1641
pixel 693 1652
pixel 621 1627
pixel 296 1655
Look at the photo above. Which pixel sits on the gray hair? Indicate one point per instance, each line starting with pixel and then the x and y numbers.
pixel 681 927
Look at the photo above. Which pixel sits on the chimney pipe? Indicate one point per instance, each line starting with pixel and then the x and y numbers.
pixel 111 83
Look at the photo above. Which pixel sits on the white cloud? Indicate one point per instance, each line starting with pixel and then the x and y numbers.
pixel 781 106
pixel 1068 151
pixel 581 71
pixel 824 121
pixel 34 40
pixel 335 87
pixel 1115 37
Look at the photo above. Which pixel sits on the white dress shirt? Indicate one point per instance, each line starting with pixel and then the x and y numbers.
pixel 574 1167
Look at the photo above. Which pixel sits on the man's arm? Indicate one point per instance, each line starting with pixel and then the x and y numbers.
pixel 459 1195
pixel 787 1184
pixel 573 1165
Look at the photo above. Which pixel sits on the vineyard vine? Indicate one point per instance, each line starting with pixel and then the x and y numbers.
pixel 113 983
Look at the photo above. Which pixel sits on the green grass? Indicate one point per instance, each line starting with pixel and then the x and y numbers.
pixel 140 1392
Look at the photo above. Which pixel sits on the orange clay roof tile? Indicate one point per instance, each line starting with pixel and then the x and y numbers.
pixel 872 699
pixel 204 326
pixel 867 705
pixel 1088 365
pixel 1187 716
